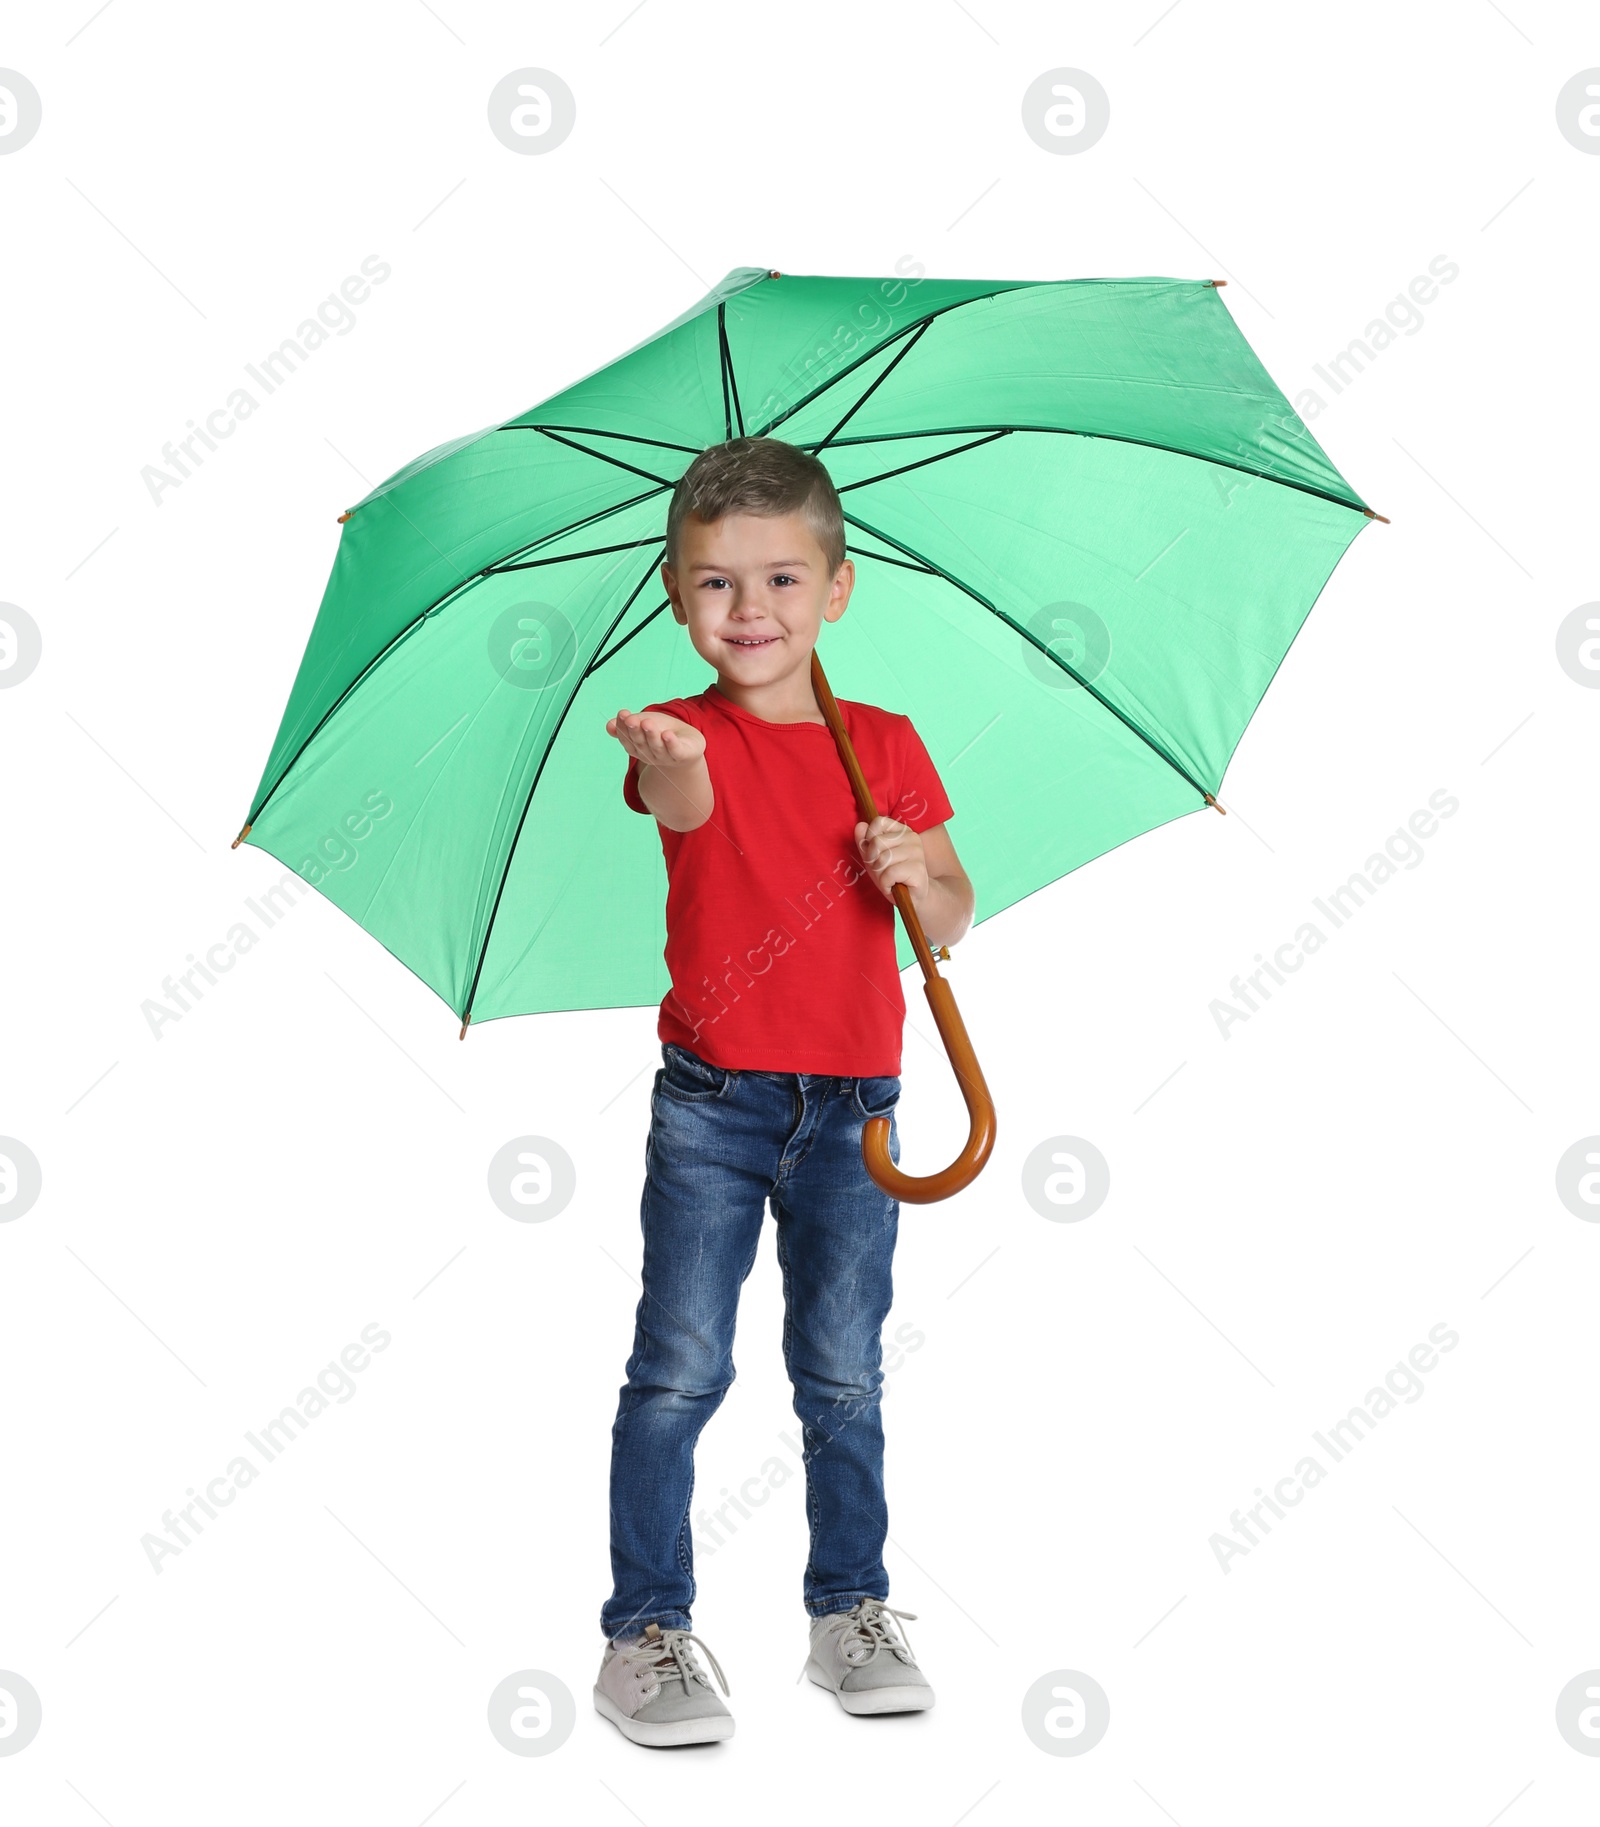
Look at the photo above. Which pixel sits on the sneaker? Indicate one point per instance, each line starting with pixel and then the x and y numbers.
pixel 655 1692
pixel 860 1657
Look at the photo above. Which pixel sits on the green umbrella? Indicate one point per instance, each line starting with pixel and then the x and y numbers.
pixel 1086 526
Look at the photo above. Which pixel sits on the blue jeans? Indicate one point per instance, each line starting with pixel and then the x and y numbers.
pixel 722 1143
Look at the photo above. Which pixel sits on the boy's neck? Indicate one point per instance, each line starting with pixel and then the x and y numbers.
pixel 786 700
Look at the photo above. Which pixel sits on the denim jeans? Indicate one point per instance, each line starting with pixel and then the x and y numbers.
pixel 723 1143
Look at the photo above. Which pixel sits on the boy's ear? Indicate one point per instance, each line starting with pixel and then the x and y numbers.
pixel 843 583
pixel 669 583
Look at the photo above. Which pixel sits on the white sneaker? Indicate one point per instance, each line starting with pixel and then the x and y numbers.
pixel 861 1658
pixel 654 1691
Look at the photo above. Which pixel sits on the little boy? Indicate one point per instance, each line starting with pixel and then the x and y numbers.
pixel 781 1037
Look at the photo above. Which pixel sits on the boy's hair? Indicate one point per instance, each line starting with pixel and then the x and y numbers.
pixel 759 476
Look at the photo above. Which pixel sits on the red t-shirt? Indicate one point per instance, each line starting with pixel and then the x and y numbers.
pixel 780 945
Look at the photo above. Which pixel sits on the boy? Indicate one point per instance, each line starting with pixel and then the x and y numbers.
pixel 781 1036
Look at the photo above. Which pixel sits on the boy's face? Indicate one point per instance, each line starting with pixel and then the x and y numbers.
pixel 754 590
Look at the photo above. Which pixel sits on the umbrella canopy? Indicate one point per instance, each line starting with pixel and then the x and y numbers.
pixel 1086 528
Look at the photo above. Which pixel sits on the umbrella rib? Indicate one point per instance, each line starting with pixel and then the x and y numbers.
pixel 883 558
pixel 733 382
pixel 923 462
pixel 966 589
pixel 595 664
pixel 916 324
pixel 562 558
pixel 889 369
pixel 633 468
pixel 505 874
pixel 722 365
pixel 455 589
pixel 1107 437
pixel 729 378
pixel 572 526
pixel 597 431
pixel 465 584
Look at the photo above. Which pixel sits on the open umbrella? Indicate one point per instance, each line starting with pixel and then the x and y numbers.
pixel 1086 524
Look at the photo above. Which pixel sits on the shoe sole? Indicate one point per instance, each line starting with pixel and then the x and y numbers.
pixel 668 1732
pixel 877 1699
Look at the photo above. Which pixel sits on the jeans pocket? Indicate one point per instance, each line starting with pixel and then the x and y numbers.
pixel 690 1079
pixel 875 1097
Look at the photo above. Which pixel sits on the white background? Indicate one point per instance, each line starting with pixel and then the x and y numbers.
pixel 1291 1208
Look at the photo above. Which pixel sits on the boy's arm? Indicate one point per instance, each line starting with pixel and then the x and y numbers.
pixel 927 863
pixel 673 779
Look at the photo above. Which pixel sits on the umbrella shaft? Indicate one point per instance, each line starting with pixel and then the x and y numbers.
pixel 868 809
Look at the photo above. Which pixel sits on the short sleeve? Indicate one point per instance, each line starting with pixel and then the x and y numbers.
pixel 630 786
pixel 674 707
pixel 921 800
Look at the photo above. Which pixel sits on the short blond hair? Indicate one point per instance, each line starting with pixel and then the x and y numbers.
pixel 759 476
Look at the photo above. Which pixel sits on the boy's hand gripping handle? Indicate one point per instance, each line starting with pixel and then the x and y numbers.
pixel 941 999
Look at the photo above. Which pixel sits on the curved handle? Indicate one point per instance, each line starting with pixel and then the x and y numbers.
pixel 967 1165
pixel 964 1169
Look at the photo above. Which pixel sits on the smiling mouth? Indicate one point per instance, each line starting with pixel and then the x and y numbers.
pixel 734 640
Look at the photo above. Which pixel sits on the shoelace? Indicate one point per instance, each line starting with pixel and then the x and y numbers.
pixel 671 1656
pixel 869 1622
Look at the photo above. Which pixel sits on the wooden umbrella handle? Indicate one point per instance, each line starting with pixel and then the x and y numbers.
pixel 915 1189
